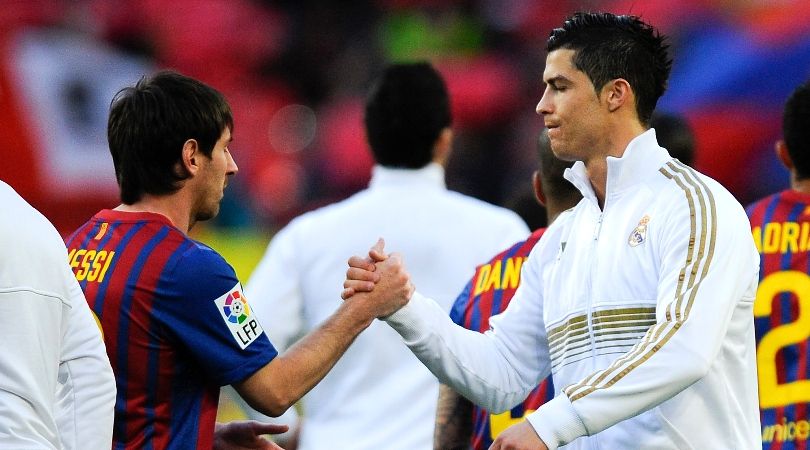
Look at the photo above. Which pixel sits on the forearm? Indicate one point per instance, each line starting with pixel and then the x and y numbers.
pixel 283 381
pixel 453 421
pixel 482 367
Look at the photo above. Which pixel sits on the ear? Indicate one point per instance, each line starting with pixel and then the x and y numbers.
pixel 783 155
pixel 617 93
pixel 538 188
pixel 443 145
pixel 190 157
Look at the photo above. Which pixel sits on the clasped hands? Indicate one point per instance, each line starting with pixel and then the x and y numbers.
pixel 379 280
pixel 382 281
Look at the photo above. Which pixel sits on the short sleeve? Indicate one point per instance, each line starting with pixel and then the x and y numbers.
pixel 207 313
pixel 460 305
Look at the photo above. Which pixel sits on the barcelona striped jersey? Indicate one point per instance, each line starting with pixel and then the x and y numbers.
pixel 487 294
pixel 780 225
pixel 175 323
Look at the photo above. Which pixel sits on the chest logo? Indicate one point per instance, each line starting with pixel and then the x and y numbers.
pixel 639 233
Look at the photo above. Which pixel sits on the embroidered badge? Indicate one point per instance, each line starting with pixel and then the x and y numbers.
pixel 238 317
pixel 639 234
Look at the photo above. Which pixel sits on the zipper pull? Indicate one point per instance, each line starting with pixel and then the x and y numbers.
pixel 598 228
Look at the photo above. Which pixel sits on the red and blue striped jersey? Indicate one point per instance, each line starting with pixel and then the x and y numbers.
pixel 780 225
pixel 175 323
pixel 488 293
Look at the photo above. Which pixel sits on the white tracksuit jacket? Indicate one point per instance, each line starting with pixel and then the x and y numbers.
pixel 642 311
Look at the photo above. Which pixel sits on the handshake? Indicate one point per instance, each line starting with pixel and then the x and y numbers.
pixel 378 283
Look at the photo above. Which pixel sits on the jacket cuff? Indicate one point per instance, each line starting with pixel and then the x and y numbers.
pixel 407 321
pixel 557 422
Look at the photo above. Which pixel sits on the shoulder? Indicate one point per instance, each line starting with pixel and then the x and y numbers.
pixel 521 248
pixel 696 192
pixel 695 206
pixel 786 197
pixel 199 268
pixel 481 212
pixel 324 217
pixel 199 257
pixel 25 234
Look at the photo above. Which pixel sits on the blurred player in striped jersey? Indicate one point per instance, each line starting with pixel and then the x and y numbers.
pixel 780 224
pixel 459 423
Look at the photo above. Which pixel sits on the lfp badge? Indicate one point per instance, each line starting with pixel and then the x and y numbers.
pixel 236 308
pixel 238 317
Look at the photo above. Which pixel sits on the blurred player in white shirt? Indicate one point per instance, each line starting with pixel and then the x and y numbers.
pixel 57 389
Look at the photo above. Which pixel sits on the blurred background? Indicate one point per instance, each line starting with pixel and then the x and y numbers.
pixel 296 74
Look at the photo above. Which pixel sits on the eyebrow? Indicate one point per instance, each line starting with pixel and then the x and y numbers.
pixel 557 79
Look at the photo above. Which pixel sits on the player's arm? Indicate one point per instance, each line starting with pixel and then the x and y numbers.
pixel 707 279
pixel 497 369
pixel 274 290
pixel 285 379
pixel 453 421
pixel 87 384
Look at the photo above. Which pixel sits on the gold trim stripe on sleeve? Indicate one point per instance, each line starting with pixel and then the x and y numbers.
pixel 713 210
pixel 642 351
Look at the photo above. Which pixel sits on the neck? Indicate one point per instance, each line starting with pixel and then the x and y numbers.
pixel 170 206
pixel 802 185
pixel 615 146
pixel 554 209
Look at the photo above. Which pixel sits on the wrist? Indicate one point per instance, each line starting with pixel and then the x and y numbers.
pixel 355 315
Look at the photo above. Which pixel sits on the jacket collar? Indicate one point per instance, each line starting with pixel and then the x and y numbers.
pixel 642 157
pixel 432 175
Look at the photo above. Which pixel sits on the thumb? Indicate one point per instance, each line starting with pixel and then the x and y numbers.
pixel 377 252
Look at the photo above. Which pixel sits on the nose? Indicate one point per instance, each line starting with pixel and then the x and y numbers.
pixel 544 106
pixel 231 168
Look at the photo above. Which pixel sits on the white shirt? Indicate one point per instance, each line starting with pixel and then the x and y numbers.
pixel 378 396
pixel 56 385
pixel 641 310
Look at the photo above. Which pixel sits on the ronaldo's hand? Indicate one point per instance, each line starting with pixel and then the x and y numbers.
pixel 519 437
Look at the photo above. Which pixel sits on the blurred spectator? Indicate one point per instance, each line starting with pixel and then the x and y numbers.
pixel 319 57
pixel 442 234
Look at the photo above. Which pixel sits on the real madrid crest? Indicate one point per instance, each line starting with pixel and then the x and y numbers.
pixel 639 234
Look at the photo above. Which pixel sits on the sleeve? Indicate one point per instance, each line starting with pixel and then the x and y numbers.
pixel 460 305
pixel 274 290
pixel 209 315
pixel 29 351
pixel 496 369
pixel 707 265
pixel 86 385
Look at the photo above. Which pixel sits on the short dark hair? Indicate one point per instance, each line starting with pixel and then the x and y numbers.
pixel 796 129
pixel 150 122
pixel 406 110
pixel 675 135
pixel 551 172
pixel 608 47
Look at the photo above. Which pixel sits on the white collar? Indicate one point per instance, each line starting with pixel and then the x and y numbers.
pixel 432 175
pixel 642 157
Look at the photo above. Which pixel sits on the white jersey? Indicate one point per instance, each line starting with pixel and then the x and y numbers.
pixel 57 389
pixel 378 396
pixel 641 310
